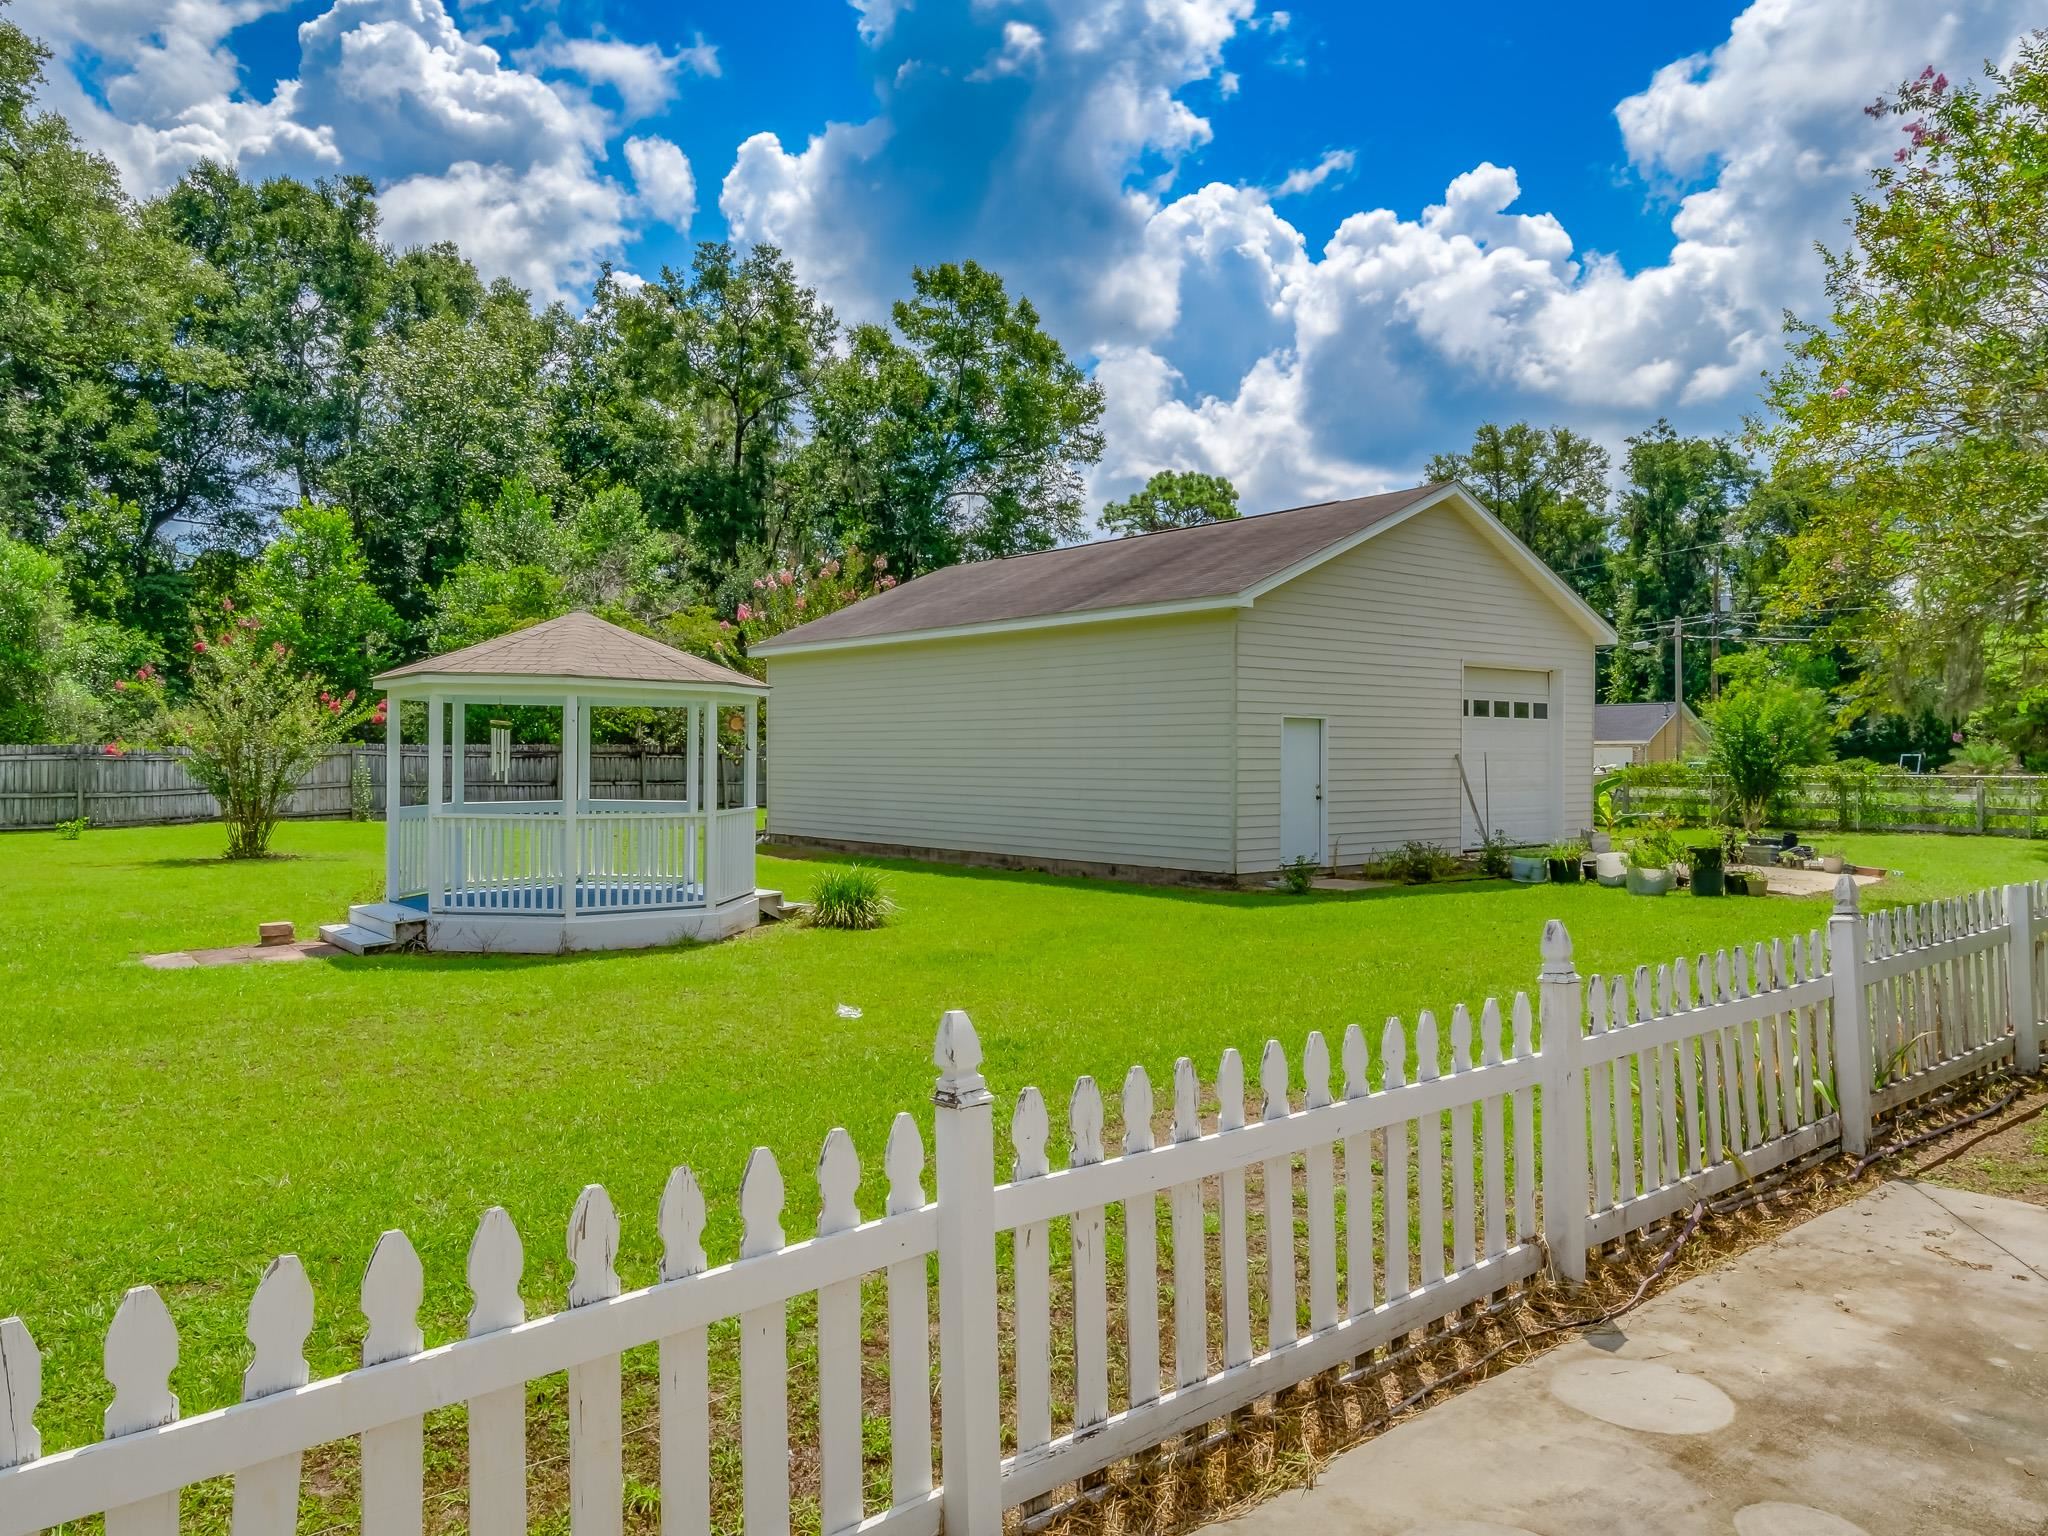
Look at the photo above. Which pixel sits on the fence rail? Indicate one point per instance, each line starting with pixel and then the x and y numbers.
pixel 43 785
pixel 2000 805
pixel 1595 1109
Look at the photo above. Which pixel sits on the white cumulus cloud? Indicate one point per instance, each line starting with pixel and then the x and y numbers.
pixel 663 179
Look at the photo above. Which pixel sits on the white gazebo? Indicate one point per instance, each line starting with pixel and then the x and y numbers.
pixel 484 873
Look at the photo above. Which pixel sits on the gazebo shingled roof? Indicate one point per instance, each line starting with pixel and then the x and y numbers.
pixel 576 645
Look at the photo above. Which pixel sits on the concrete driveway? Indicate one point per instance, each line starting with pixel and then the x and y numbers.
pixel 1881 1370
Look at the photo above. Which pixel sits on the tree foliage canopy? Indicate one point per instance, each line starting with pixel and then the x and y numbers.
pixel 1172 499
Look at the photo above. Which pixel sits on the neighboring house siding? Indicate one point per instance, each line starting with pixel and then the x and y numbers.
pixel 1100 743
pixel 1376 641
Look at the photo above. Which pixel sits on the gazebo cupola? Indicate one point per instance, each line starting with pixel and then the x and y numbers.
pixel 575 871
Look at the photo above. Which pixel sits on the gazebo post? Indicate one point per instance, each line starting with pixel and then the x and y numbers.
pixel 437 726
pixel 572 789
pixel 393 758
pixel 459 767
pixel 750 796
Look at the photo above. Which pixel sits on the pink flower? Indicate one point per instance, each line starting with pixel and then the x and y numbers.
pixel 787 578
pixel 799 602
pixel 745 613
pixel 146 672
pixel 199 647
pixel 1940 84
pixel 120 685
pixel 112 749
pixel 758 583
pixel 227 605
pixel 829 569
pixel 349 697
pixel 887 582
pixel 1841 392
pixel 277 646
pixel 723 627
pixel 881 562
pixel 1901 155
pixel 1956 737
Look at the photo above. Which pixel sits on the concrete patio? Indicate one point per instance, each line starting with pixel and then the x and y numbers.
pixel 1882 1369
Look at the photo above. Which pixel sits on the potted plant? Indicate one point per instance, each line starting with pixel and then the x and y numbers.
pixel 1831 863
pixel 1567 861
pixel 1528 868
pixel 1650 861
pixel 1709 875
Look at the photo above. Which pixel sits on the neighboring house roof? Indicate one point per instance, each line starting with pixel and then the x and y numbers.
pixel 1180 570
pixel 1634 724
pixel 577 645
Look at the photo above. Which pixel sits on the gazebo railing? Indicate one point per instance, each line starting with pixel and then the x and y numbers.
pixel 411 877
pixel 630 856
pixel 498 861
pixel 732 853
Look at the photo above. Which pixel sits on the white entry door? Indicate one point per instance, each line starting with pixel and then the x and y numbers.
pixel 1510 757
pixel 1301 791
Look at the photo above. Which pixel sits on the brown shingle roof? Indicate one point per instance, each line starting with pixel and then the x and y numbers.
pixel 577 645
pixel 1182 564
pixel 1631 723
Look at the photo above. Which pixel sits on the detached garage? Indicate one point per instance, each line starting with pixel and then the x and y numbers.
pixel 1327 682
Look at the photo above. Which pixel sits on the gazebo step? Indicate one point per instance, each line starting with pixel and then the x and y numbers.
pixel 357 941
pixel 393 920
pixel 774 908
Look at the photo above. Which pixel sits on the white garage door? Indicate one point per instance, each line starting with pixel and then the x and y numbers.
pixel 1509 758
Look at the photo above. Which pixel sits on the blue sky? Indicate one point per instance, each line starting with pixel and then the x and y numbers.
pixel 1304 246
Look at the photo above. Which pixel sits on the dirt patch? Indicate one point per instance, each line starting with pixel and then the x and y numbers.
pixel 2006 1156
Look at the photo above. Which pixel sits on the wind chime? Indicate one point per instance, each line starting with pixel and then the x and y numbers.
pixel 501 750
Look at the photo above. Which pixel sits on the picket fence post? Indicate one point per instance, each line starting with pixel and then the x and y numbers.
pixel 970 1444
pixel 1852 1023
pixel 2026 1014
pixel 1561 1012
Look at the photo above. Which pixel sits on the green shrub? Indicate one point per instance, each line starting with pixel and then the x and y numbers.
pixel 1493 855
pixel 1299 875
pixel 850 896
pixel 73 829
pixel 1420 862
pixel 362 794
pixel 1658 847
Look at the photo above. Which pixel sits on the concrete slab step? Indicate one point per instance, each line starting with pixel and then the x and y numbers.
pixel 392 919
pixel 357 941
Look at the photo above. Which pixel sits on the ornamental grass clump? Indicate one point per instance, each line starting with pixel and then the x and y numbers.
pixel 250 727
pixel 850 897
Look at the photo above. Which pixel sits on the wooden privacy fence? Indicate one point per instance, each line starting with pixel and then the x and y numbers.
pixel 41 786
pixel 2003 805
pixel 1603 1106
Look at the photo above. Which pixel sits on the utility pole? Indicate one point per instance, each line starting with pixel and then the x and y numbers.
pixel 1714 639
pixel 1678 679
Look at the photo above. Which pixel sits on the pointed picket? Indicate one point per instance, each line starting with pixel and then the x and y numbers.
pixel 1823 1017
pixel 1710 1062
pixel 764 1358
pixel 1031 1273
pixel 683 1363
pixel 394 1467
pixel 1463 1192
pixel 1429 1157
pixel 497 1420
pixel 1492 1154
pixel 596 1438
pixel 910 1326
pixel 1649 1120
pixel 1394 1244
pixel 1141 1255
pixel 1525 1125
pixel 1358 1182
pixel 1088 1232
pixel 266 1499
pixel 142 1348
pixel 1237 1306
pixel 839 1421
pixel 1190 1242
pixel 1784 1025
pixel 1667 1084
pixel 1276 1179
pixel 1319 1191
pixel 21 1388
pixel 1600 1084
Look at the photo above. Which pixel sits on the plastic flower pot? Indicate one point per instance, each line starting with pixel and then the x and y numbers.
pixel 1831 863
pixel 1649 882
pixel 1710 882
pixel 1566 871
pixel 1609 867
pixel 1528 871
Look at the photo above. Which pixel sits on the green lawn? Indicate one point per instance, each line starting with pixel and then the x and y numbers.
pixel 183 1127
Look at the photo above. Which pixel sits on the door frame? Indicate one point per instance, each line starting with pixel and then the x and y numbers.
pixel 1322 724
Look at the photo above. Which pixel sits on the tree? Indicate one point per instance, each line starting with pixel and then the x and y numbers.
pixel 737 345
pixel 1920 402
pixel 1548 486
pixel 90 296
pixel 311 591
pixel 966 438
pixel 33 612
pixel 1679 498
pixel 1760 733
pixel 251 726
pixel 1172 499
pixel 452 409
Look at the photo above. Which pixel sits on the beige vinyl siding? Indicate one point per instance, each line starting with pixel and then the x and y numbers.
pixel 1106 743
pixel 1376 642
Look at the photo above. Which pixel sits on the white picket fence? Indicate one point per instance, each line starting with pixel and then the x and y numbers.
pixel 1623 1099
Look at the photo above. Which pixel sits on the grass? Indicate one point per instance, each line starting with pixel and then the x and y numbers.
pixel 183 1127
